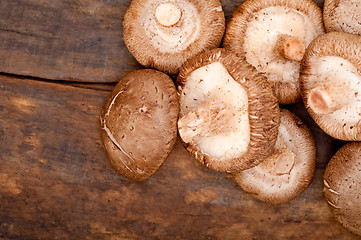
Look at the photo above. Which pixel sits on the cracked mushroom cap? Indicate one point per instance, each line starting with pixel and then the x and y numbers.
pixel 331 84
pixel 139 123
pixel 228 115
pixel 342 186
pixel 164 34
pixel 273 35
pixel 342 16
pixel 287 172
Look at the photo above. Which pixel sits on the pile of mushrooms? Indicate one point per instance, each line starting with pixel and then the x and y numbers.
pixel 224 103
pixel 330 82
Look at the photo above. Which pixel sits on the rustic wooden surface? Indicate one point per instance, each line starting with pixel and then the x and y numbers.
pixel 64 39
pixel 56 182
pixel 55 179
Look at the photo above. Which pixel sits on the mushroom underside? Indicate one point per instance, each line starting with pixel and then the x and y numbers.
pixel 287 172
pixel 229 116
pixel 275 37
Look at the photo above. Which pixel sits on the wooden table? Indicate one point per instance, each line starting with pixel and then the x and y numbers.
pixel 59 60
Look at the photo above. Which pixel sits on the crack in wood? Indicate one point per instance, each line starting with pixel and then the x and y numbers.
pixel 27 34
pixel 106 87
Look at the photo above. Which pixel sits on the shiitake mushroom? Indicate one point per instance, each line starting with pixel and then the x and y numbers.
pixel 342 16
pixel 139 123
pixel 330 84
pixel 342 186
pixel 289 170
pixel 228 115
pixel 164 34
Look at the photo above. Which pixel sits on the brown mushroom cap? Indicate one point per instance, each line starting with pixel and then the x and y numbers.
pixel 287 172
pixel 139 123
pixel 228 115
pixel 164 34
pixel 342 16
pixel 342 186
pixel 273 35
pixel 330 82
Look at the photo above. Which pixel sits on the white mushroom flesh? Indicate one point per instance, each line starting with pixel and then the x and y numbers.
pixel 335 85
pixel 263 32
pixel 214 113
pixel 283 159
pixel 173 26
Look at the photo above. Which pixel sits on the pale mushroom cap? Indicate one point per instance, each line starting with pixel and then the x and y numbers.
pixel 228 115
pixel 164 34
pixel 287 172
pixel 342 186
pixel 330 82
pixel 139 123
pixel 342 16
pixel 273 35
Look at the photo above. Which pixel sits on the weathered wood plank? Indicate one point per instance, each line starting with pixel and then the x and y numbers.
pixel 72 40
pixel 56 182
pixel 77 40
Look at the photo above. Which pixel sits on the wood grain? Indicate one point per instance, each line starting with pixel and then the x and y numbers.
pixel 76 40
pixel 64 39
pixel 56 182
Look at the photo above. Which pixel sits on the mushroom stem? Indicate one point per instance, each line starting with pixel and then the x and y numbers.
pixel 205 120
pixel 290 47
pixel 329 97
pixel 168 14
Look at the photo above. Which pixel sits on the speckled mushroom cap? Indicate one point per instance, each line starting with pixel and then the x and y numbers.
pixel 287 172
pixel 342 16
pixel 228 115
pixel 164 34
pixel 273 35
pixel 139 123
pixel 330 82
pixel 342 186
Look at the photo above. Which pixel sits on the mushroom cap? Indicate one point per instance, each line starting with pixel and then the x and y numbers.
pixel 257 110
pixel 255 29
pixel 139 123
pixel 164 34
pixel 342 186
pixel 330 84
pixel 342 16
pixel 287 172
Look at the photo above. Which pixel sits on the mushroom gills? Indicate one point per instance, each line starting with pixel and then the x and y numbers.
pixel 288 171
pixel 336 89
pixel 275 41
pixel 214 112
